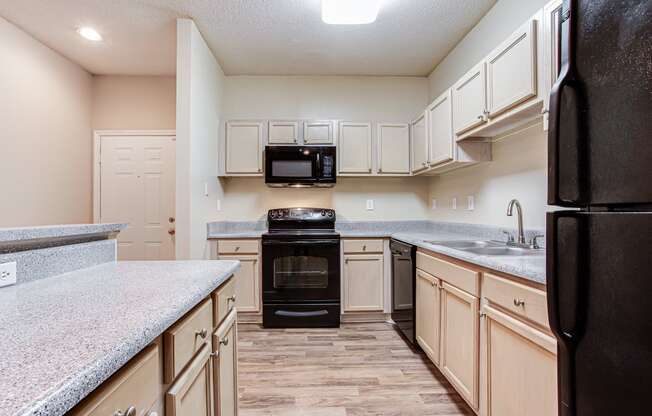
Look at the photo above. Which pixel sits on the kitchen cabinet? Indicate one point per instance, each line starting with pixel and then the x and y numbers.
pixel 354 148
pixel 428 305
pixel 511 70
pixel 460 341
pixel 283 132
pixel 468 98
pixel 551 36
pixel 248 278
pixel 192 392
pixel 319 132
pixel 440 129
pixel 519 367
pixel 419 139
pixel 244 148
pixel 363 282
pixel 393 149
pixel 225 367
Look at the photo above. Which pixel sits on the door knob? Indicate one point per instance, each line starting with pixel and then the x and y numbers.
pixel 172 231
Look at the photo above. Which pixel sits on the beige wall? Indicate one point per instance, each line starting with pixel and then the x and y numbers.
pixel 200 84
pixel 45 146
pixel 394 99
pixel 518 169
pixel 134 102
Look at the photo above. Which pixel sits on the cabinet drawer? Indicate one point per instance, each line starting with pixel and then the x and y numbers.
pixel 136 384
pixel 461 277
pixel 186 337
pixel 223 301
pixel 237 247
pixel 522 300
pixel 363 246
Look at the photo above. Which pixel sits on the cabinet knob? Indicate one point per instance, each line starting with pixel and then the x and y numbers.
pixel 237 248
pixel 364 248
pixel 481 117
pixel 131 411
pixel 230 299
pixel 172 231
pixel 202 334
pixel 519 302
pixel 224 341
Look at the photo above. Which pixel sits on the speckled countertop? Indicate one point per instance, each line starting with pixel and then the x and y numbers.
pixel 61 337
pixel 57 231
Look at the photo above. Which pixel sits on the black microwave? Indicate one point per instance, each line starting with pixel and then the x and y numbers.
pixel 300 166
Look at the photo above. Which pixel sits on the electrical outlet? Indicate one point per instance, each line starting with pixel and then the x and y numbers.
pixel 454 203
pixel 370 204
pixel 470 203
pixel 8 274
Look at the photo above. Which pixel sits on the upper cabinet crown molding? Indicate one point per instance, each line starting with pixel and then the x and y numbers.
pixel 393 147
pixel 354 148
pixel 283 132
pixel 319 132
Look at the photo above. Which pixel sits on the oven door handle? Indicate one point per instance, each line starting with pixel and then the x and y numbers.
pixel 292 314
pixel 298 242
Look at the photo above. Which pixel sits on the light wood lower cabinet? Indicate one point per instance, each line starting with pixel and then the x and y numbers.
pixel 460 341
pixel 427 325
pixel 225 368
pixel 363 282
pixel 519 366
pixel 191 393
pixel 247 282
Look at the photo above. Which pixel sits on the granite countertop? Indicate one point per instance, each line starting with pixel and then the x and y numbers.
pixel 61 337
pixel 18 234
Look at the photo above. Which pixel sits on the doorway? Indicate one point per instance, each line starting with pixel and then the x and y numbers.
pixel 134 183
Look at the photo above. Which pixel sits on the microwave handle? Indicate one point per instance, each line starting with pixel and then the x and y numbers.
pixel 318 164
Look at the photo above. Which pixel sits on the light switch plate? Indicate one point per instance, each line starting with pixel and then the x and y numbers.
pixel 7 274
pixel 470 203
pixel 454 203
pixel 370 204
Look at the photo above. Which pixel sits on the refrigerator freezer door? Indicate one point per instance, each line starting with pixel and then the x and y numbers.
pixel 599 283
pixel 600 135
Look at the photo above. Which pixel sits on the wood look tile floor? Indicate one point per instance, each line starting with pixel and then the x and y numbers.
pixel 358 369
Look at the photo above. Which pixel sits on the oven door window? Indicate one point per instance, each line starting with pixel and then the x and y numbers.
pixel 300 272
pixel 292 168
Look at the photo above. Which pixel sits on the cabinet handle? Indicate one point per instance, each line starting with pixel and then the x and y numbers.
pixel 152 414
pixel 202 334
pixel 237 248
pixel 364 248
pixel 433 284
pixel 230 299
pixel 131 411
pixel 172 231
pixel 481 117
pixel 225 341
pixel 519 302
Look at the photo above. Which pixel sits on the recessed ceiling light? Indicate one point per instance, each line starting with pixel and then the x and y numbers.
pixel 89 33
pixel 349 12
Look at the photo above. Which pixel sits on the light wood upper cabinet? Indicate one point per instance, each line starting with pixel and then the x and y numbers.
pixel 469 100
pixel 354 148
pixel 247 282
pixel 460 341
pixel 419 139
pixel 363 282
pixel 512 70
pixel 427 325
pixel 225 367
pixel 440 129
pixel 319 132
pixel 192 392
pixel 551 35
pixel 283 132
pixel 244 147
pixel 519 374
pixel 393 148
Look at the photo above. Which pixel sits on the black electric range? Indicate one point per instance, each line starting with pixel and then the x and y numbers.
pixel 301 269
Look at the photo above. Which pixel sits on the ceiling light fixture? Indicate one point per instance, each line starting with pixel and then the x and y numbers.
pixel 89 33
pixel 349 12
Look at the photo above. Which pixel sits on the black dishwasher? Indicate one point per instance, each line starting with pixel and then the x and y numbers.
pixel 403 283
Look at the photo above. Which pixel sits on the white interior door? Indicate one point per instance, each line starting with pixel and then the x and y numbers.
pixel 137 186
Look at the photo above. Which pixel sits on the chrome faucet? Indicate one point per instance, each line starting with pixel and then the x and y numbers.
pixel 519 212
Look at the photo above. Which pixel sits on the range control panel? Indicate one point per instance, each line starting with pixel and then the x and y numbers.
pixel 301 217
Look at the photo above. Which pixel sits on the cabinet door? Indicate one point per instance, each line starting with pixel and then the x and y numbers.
pixel 192 392
pixel 440 129
pixel 393 148
pixel 460 341
pixel 225 367
pixel 512 70
pixel 244 147
pixel 247 283
pixel 469 100
pixel 427 323
pixel 354 148
pixel 283 132
pixel 519 368
pixel 551 32
pixel 363 282
pixel 419 138
pixel 318 132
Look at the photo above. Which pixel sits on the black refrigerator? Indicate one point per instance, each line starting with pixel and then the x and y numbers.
pixel 599 245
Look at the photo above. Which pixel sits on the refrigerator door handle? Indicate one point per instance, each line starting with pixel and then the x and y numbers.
pixel 570 195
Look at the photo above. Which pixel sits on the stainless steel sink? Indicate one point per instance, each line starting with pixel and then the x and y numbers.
pixel 466 244
pixel 503 251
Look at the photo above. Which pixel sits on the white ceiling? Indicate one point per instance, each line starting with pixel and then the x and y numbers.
pixel 271 37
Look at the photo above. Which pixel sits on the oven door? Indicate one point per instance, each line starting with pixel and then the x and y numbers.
pixel 301 270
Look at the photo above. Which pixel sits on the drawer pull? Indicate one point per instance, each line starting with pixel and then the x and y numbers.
pixel 519 302
pixel 202 334
pixel 237 248
pixel 230 299
pixel 224 341
pixel 131 411
pixel 364 248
